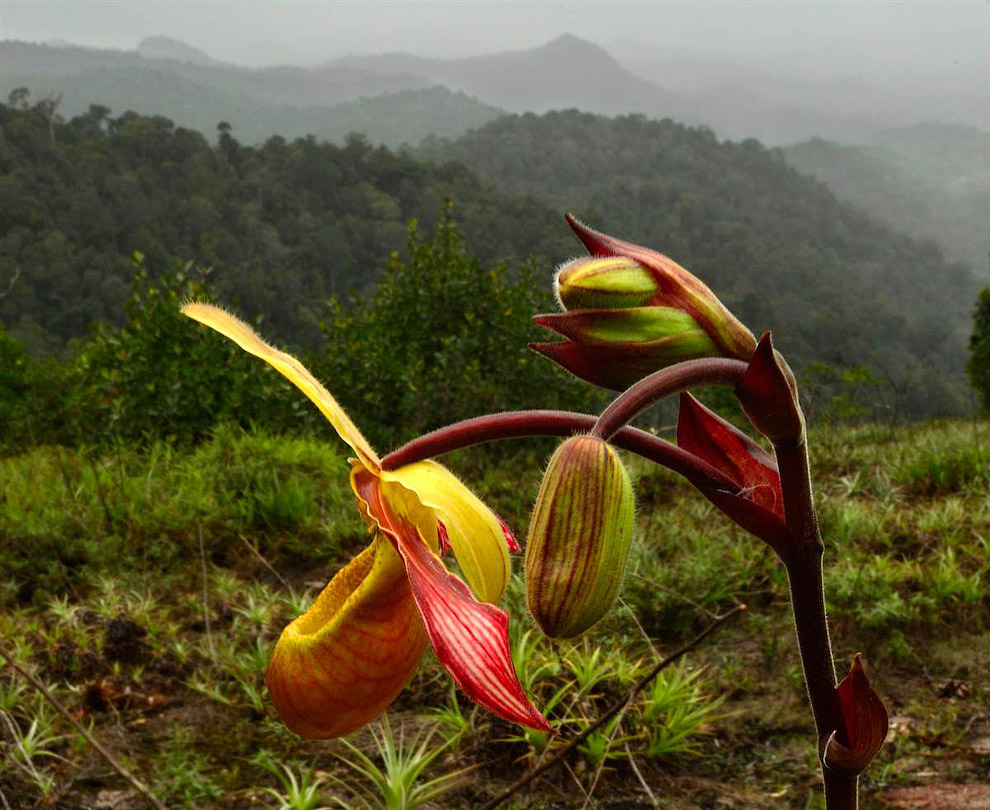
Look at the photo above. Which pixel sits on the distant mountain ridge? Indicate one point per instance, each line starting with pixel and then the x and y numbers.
pixel 288 101
pixel 566 72
pixel 160 47
pixel 736 101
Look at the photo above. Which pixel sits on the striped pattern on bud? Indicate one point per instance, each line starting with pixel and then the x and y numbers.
pixel 579 537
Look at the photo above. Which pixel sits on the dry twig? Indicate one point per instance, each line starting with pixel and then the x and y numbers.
pixel 97 746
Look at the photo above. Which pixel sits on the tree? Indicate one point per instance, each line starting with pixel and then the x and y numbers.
pixel 978 367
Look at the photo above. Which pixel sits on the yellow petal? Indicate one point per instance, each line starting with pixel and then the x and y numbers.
pixel 474 532
pixel 340 664
pixel 287 365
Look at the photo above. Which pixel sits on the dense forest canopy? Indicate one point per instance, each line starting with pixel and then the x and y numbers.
pixel 930 181
pixel 288 225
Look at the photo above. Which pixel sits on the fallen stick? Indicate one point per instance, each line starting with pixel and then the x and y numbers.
pixel 97 746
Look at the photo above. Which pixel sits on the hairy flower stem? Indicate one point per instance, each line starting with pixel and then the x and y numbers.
pixel 661 384
pixel 527 424
pixel 803 562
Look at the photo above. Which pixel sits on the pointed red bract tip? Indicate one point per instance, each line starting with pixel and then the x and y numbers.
pixel 510 539
pixel 768 394
pixel 864 723
pixel 595 242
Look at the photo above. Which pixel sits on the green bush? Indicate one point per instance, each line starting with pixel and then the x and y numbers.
pixel 442 339
pixel 15 370
pixel 160 376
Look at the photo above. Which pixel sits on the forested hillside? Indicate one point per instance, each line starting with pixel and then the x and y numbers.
pixel 931 181
pixel 833 284
pixel 286 225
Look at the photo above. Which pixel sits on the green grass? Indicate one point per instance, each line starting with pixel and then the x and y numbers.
pixel 209 553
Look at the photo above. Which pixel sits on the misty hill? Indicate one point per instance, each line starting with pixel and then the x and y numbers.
pixel 782 251
pixel 168 48
pixel 198 93
pixel 931 180
pixel 567 72
pixel 740 100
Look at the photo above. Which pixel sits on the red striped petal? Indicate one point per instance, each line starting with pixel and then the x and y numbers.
pixel 510 538
pixel 470 638
pixel 443 538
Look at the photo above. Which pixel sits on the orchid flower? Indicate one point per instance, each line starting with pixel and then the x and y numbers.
pixel 342 662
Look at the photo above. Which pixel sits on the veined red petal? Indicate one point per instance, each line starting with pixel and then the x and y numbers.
pixel 711 438
pixel 470 638
pixel 443 538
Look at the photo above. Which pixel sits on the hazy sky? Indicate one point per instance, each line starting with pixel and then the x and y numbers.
pixel 885 39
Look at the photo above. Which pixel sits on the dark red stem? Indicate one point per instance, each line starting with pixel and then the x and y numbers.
pixel 803 561
pixel 661 384
pixel 522 424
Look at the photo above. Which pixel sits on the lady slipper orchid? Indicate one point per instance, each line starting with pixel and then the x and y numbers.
pixel 343 661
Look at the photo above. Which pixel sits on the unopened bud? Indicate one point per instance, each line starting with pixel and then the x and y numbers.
pixel 579 537
pixel 631 311
pixel 611 282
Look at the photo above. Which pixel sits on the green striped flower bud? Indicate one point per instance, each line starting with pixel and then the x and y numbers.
pixel 579 537
pixel 630 311
pixel 609 282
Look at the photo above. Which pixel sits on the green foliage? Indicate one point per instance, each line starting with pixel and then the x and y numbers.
pixel 159 376
pixel 398 784
pixel 676 712
pixel 941 471
pixel 442 339
pixel 15 372
pixel 71 514
pixel 842 394
pixel 978 366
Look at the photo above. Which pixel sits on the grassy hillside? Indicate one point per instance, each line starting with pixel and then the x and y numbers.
pixel 147 587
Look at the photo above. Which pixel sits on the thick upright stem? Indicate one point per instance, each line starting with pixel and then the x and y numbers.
pixel 804 572
pixel 662 384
